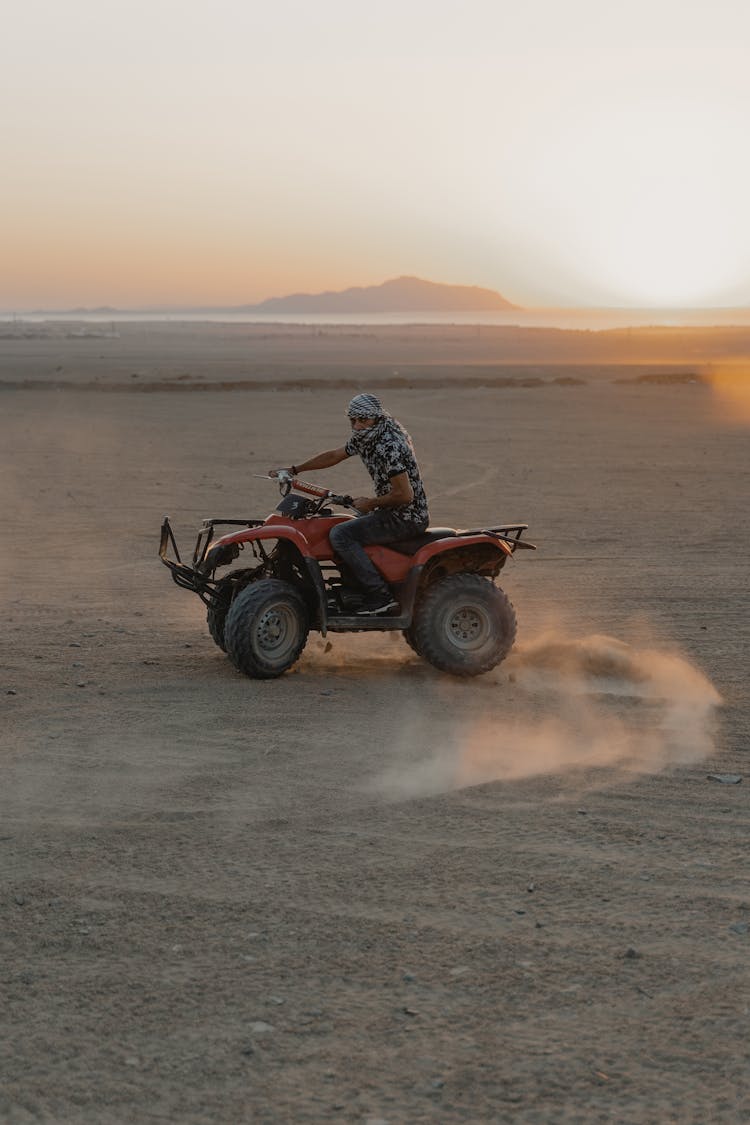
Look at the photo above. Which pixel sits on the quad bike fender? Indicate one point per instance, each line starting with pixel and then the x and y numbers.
pixel 253 534
pixel 312 543
pixel 225 550
pixel 460 543
pixel 316 532
pixel 395 567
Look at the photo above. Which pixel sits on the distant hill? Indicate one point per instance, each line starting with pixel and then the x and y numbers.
pixel 399 295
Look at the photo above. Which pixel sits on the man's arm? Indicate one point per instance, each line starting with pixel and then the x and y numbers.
pixel 320 461
pixel 401 493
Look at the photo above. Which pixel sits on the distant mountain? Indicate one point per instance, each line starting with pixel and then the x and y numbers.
pixel 399 295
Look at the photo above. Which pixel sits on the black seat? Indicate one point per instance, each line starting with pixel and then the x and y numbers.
pixel 431 535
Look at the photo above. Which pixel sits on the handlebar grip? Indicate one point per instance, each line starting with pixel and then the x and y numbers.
pixel 310 489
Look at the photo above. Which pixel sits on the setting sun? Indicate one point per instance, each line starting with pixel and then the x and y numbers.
pixel 633 182
pixel 649 199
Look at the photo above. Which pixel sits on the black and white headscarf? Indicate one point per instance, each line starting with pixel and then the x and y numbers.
pixel 365 406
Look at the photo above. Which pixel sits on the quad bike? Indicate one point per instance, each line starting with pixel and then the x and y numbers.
pixel 450 611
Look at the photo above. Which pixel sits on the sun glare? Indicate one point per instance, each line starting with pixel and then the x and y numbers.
pixel 730 384
pixel 645 199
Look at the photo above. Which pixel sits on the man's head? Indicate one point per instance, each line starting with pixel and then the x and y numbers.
pixel 364 411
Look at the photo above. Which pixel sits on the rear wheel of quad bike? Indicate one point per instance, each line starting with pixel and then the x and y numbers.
pixel 464 625
pixel 266 628
pixel 216 612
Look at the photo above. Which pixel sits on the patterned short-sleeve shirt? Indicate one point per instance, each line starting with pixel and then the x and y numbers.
pixel 387 451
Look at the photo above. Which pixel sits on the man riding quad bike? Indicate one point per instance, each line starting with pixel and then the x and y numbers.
pixel 397 511
pixel 439 581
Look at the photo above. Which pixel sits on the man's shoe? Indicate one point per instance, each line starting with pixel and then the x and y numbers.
pixel 377 604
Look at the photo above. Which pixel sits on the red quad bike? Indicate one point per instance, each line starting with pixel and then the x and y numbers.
pixel 450 611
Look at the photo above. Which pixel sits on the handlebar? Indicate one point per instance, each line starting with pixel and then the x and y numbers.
pixel 287 482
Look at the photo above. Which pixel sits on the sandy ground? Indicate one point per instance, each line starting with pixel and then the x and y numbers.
pixel 367 892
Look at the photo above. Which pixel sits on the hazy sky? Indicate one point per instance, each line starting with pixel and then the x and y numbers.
pixel 564 153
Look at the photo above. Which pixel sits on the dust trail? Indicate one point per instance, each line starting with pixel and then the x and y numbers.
pixel 569 704
pixel 357 656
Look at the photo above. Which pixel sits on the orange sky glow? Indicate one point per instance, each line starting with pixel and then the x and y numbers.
pixel 183 154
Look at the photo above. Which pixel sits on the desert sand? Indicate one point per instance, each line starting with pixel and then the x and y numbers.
pixel 366 891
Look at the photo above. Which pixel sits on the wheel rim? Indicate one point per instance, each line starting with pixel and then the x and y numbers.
pixel 468 628
pixel 277 632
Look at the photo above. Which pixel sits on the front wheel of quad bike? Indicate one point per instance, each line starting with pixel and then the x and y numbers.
pixel 266 628
pixel 216 612
pixel 408 635
pixel 464 624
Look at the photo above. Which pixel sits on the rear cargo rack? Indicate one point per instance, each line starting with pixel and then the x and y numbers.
pixel 509 533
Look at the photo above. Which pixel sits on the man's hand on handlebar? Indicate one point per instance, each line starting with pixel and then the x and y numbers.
pixel 345 501
pixel 282 473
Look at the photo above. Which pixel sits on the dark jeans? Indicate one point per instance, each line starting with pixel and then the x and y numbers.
pixel 350 538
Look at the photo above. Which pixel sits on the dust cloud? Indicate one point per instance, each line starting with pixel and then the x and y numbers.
pixel 730 385
pixel 573 704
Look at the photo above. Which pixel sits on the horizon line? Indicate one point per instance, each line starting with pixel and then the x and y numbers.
pixel 249 308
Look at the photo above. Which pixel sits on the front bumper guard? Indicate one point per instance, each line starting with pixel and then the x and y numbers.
pixel 198 576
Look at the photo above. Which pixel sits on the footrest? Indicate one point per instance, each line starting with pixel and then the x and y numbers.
pixel 363 623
